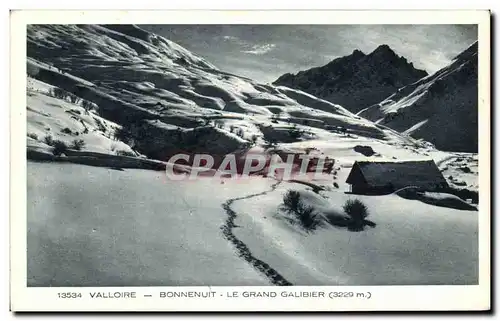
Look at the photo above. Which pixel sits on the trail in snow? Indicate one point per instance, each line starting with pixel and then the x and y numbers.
pixel 242 249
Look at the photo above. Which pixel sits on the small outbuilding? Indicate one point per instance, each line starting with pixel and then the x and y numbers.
pixel 387 177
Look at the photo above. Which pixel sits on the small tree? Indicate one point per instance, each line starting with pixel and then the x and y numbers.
pixel 358 213
pixel 48 140
pixel 60 148
pixel 77 144
pixel 308 219
pixel 291 200
pixel 356 209
pixel 302 213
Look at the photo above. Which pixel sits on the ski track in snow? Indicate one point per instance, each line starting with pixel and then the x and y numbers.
pixel 242 249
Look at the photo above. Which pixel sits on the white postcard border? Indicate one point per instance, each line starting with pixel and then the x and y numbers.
pixel 382 298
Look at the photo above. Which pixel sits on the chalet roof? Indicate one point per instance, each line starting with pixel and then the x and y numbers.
pixel 397 173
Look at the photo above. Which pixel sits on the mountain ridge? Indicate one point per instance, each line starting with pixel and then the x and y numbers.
pixel 168 98
pixel 358 80
pixel 440 108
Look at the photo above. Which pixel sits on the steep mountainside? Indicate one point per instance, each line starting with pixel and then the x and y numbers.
pixel 357 80
pixel 441 108
pixel 166 97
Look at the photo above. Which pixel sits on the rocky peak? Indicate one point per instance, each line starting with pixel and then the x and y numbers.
pixel 384 52
pixel 357 53
pixel 345 80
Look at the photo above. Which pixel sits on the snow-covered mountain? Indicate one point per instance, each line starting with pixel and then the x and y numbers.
pixel 123 99
pixel 441 108
pixel 167 97
pixel 357 80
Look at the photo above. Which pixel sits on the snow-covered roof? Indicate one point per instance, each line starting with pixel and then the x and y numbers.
pixel 399 174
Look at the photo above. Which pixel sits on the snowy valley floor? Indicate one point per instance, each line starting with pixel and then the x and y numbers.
pixel 94 226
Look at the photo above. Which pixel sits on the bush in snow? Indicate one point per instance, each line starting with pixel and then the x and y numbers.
pixel 302 213
pixel 291 200
pixel 335 184
pixel 307 218
pixel 77 144
pixel 365 150
pixel 48 140
pixel 66 131
pixel 358 212
pixel 254 139
pixel 60 148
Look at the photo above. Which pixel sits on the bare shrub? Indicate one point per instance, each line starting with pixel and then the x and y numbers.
pixel 307 218
pixel 291 200
pixel 60 148
pixel 77 144
pixel 302 213
pixel 358 212
pixel 66 130
pixel 356 209
pixel 48 140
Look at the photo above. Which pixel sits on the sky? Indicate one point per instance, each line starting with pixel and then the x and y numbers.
pixel 265 52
